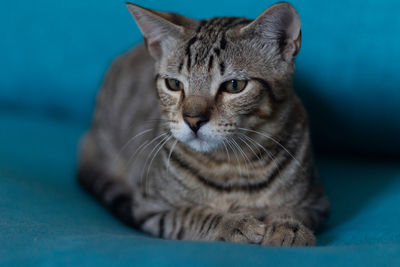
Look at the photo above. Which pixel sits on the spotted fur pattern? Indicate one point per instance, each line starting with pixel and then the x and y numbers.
pixel 248 174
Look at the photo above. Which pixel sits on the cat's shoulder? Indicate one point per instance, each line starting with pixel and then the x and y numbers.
pixel 135 60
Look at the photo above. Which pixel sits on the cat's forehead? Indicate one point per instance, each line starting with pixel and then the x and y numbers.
pixel 210 39
pixel 212 26
pixel 205 50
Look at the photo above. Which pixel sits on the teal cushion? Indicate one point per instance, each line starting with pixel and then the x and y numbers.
pixel 54 54
pixel 47 220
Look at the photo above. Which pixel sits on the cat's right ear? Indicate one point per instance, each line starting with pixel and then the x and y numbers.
pixel 161 30
pixel 280 25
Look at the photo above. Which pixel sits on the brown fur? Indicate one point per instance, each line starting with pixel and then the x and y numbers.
pixel 202 163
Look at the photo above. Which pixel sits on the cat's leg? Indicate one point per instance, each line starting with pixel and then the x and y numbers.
pixel 109 189
pixel 112 193
pixel 285 229
pixel 202 223
pixel 290 225
pixel 295 226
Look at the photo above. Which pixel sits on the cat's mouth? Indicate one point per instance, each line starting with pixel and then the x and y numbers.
pixel 201 144
pixel 204 140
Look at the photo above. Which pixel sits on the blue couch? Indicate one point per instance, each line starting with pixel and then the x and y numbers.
pixel 53 58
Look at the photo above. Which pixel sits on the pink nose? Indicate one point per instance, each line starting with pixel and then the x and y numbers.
pixel 195 121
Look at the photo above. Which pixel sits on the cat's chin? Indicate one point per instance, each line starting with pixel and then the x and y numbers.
pixel 201 145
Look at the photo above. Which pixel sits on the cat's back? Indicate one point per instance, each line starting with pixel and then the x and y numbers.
pixel 128 92
pixel 126 105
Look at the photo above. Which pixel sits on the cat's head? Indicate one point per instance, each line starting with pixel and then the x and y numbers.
pixel 220 75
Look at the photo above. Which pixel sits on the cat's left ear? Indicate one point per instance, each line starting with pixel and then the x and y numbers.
pixel 280 23
pixel 161 30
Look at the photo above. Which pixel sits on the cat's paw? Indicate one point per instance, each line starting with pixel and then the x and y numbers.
pixel 242 229
pixel 288 233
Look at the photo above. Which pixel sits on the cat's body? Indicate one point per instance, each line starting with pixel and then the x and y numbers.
pixel 211 163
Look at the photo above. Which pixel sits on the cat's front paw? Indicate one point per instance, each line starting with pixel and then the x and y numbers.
pixel 288 233
pixel 242 229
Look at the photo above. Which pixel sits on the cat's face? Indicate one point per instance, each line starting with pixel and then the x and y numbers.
pixel 217 76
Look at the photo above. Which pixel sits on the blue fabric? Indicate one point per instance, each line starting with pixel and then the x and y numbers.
pixel 54 54
pixel 47 220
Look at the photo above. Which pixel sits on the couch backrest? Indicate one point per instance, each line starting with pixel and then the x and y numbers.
pixel 54 54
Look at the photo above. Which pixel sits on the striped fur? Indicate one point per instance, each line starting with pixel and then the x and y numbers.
pixel 251 178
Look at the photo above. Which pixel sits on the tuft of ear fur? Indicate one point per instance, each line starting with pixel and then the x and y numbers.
pixel 160 29
pixel 279 23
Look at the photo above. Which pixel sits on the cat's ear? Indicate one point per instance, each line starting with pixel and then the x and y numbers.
pixel 160 29
pixel 279 23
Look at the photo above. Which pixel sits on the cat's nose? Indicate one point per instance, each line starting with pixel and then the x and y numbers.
pixel 195 121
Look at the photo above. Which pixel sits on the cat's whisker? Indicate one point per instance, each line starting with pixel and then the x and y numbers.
pixel 159 145
pixel 244 156
pixel 153 122
pixel 117 157
pixel 149 121
pixel 226 149
pixel 151 153
pixel 137 151
pixel 143 182
pixel 271 157
pixel 251 149
pixel 234 152
pixel 169 155
pixel 274 140
pixel 144 146
pixel 255 143
pixel 133 138
pixel 132 125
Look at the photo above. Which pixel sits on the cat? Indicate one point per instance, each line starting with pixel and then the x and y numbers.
pixel 197 134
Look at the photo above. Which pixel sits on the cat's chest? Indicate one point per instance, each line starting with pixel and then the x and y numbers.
pixel 189 192
pixel 236 201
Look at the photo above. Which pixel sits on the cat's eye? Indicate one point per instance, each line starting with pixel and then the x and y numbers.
pixel 174 84
pixel 234 86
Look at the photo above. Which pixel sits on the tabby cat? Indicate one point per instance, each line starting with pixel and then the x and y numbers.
pixel 198 135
